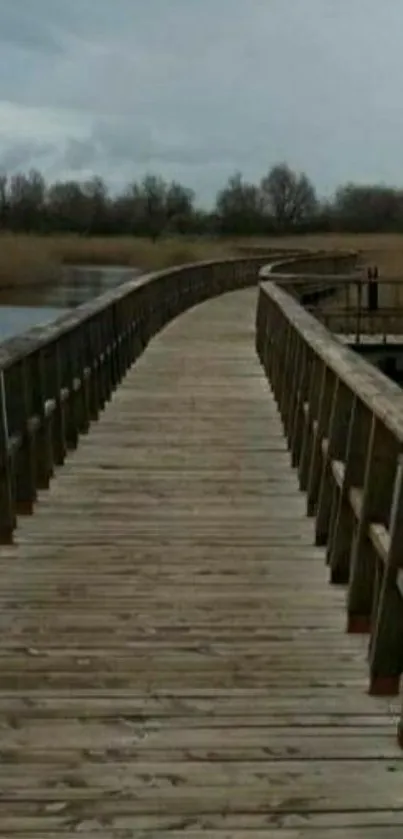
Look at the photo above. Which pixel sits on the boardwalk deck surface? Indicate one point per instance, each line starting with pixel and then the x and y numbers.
pixel 173 660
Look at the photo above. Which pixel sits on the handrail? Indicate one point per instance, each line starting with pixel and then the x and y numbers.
pixel 343 421
pixel 55 379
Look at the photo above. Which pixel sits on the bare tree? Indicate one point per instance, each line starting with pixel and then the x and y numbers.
pixel 97 202
pixel 26 198
pixel 179 207
pixel 68 208
pixel 289 197
pixel 153 193
pixel 3 200
pixel 239 207
pixel 368 209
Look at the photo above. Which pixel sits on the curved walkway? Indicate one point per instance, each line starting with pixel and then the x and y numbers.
pixel 173 660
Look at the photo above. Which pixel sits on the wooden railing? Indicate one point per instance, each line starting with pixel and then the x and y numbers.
pixel 357 322
pixel 343 421
pixel 55 380
pixel 349 311
pixel 345 308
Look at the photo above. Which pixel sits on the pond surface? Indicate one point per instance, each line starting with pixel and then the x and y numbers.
pixel 24 307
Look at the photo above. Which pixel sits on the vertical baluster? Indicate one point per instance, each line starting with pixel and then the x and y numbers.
pixel 7 487
pixel 386 645
pixel 43 416
pixel 57 394
pixel 25 458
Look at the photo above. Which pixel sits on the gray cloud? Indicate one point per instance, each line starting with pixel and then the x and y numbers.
pixel 24 28
pixel 79 154
pixel 23 155
pixel 197 89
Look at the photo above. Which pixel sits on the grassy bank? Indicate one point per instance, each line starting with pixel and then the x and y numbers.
pixel 382 249
pixel 33 259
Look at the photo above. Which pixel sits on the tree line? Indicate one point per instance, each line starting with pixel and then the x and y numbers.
pixel 284 202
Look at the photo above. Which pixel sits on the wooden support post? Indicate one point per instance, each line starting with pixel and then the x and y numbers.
pixel 293 388
pixel 56 391
pixel 373 504
pixel 386 645
pixel 120 333
pixel 269 341
pixel 310 411
pixel 286 374
pixel 109 333
pixel 334 451
pixel 25 458
pixel 300 401
pixel 100 362
pixel 91 351
pixel 82 383
pixel 260 327
pixel 69 382
pixel 7 488
pixel 353 471
pixel 106 350
pixel 278 342
pixel 320 434
pixel 43 416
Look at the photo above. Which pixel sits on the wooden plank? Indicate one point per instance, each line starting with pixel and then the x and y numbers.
pixel 173 659
pixel 196 827
pixel 197 830
pixel 133 740
pixel 199 706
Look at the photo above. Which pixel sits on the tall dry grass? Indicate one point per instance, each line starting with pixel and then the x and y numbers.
pixel 382 249
pixel 26 259
pixel 29 259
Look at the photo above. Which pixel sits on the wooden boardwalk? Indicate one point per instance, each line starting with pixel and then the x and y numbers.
pixel 173 659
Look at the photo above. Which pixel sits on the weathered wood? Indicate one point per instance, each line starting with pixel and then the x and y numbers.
pixel 7 484
pixel 354 504
pixel 58 378
pixel 173 659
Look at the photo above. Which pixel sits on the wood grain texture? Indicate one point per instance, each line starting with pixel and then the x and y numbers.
pixel 173 660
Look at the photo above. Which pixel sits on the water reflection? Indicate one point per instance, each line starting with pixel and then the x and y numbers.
pixel 24 307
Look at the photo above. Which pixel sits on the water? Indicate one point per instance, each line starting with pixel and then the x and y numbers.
pixel 22 308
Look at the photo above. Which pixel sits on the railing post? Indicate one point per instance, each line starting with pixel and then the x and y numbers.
pixel 310 411
pixel 339 549
pixel 293 387
pixel 320 433
pixel 359 311
pixel 43 415
pixel 269 340
pixel 386 645
pixel 286 368
pixel 102 389
pixel 260 327
pixel 59 394
pixel 25 457
pixel 91 351
pixel 278 340
pixel 334 451
pixel 119 331
pixel 7 488
pixel 109 337
pixel 374 504
pixel 82 375
pixel 298 425
pixel 70 384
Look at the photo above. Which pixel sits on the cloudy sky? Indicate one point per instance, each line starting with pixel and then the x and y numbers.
pixel 196 89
